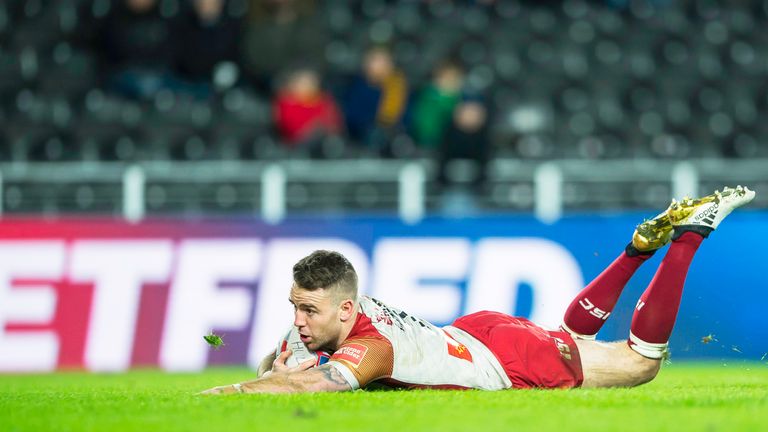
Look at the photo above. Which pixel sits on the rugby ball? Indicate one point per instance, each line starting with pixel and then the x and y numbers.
pixel 300 353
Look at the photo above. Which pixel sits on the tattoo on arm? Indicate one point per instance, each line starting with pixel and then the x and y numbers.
pixel 331 374
pixel 320 379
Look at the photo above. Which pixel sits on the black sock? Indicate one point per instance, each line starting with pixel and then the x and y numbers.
pixel 703 231
pixel 632 251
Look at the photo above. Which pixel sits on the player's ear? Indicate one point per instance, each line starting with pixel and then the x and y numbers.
pixel 346 309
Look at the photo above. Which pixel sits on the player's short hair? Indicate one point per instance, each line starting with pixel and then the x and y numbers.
pixel 324 269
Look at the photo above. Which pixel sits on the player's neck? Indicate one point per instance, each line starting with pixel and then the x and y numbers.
pixel 347 326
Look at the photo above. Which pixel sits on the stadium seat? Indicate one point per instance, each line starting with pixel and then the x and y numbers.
pixel 537 146
pixel 407 19
pixel 70 72
pixel 105 142
pixel 54 148
pixel 338 17
pixel 371 9
pixel 262 147
pixel 245 106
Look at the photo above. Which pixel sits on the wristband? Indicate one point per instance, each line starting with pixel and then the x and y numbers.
pixel 238 387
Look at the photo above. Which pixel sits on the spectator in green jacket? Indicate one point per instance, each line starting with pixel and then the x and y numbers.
pixel 434 105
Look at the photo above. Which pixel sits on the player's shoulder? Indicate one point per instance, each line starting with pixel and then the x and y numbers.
pixel 368 321
pixel 369 302
pixel 375 308
pixel 375 316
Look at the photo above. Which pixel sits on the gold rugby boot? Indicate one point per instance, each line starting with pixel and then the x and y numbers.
pixel 707 212
pixel 653 234
pixel 657 232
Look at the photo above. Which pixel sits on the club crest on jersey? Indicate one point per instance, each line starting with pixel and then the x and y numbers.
pixel 352 353
pixel 381 316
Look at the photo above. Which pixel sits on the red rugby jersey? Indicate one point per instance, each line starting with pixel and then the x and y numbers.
pixel 391 347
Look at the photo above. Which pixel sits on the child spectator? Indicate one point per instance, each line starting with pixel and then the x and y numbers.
pixel 305 114
pixel 434 106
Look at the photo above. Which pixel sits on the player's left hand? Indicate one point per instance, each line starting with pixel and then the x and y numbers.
pixel 279 366
pixel 220 390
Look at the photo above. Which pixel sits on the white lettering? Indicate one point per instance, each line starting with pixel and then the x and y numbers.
pixel 196 305
pixel 502 264
pixel 596 312
pixel 354 352
pixel 403 267
pixel 118 270
pixel 29 351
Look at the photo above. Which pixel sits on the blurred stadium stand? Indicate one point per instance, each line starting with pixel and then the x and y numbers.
pixel 596 107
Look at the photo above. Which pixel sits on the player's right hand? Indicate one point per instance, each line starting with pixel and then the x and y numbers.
pixel 279 366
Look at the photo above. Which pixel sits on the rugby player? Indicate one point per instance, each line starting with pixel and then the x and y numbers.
pixel 374 344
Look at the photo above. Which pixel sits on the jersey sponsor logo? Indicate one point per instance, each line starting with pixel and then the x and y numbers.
pixel 352 353
pixel 457 349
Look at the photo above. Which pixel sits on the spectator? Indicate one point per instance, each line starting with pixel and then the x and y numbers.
pixel 210 37
pixel 305 114
pixel 137 48
pixel 375 102
pixel 277 33
pixel 466 138
pixel 435 104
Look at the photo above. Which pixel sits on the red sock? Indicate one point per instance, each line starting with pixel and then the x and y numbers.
pixel 656 310
pixel 589 310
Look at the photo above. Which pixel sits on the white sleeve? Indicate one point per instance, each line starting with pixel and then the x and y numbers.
pixel 346 373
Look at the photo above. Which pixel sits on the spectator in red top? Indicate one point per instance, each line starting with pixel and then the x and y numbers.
pixel 304 113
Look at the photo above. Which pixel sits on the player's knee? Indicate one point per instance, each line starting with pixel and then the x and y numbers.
pixel 645 369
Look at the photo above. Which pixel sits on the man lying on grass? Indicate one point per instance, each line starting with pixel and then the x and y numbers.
pixel 374 344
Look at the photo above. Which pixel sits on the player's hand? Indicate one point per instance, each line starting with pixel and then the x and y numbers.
pixel 220 390
pixel 279 366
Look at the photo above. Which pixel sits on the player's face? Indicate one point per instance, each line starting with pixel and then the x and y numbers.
pixel 317 316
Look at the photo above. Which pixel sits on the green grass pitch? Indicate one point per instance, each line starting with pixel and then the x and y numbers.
pixel 696 397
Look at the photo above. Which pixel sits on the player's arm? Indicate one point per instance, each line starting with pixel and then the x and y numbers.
pixel 300 379
pixel 266 364
pixel 325 378
pixel 355 364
